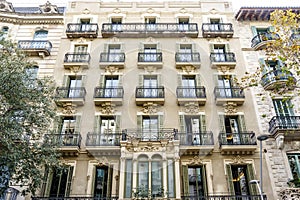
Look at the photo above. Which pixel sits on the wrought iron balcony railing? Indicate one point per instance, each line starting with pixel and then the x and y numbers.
pixel 230 92
pixel 263 37
pixel 84 28
pixel 112 57
pixel 278 75
pixel 284 123
pixel 220 27
pixel 241 138
pixel 111 92
pixel 224 197
pixel 191 92
pixel 108 138
pixel 150 92
pixel 149 57
pixel 222 57
pixel 187 57
pixel 75 198
pixel 150 134
pixel 200 138
pixel 77 58
pixel 70 92
pixel 143 27
pixel 64 139
pixel 43 45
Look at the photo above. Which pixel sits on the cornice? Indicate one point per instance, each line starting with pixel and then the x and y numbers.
pixel 46 19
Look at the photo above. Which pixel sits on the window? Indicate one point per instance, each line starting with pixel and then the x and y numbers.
pixel 4 32
pixel 110 86
pixel 194 181
pixel 294 161
pixel 233 129
pixel 215 24
pixel 193 129
pixel 219 53
pixel 261 30
pixel 85 24
pixel 114 53
pixel 189 86
pixel 185 52
pixel 74 86
pixel 58 182
pixel 128 179
pixel 103 181
pixel 150 86
pixel 150 127
pixel 225 85
pixel 183 24
pixel 68 125
pixel 40 35
pixel 150 24
pixel 150 52
pixel 285 113
pixel 116 24
pixel 238 177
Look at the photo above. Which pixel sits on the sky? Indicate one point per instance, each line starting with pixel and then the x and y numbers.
pixel 236 3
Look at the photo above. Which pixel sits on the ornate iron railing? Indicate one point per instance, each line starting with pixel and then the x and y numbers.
pixel 261 37
pixel 108 138
pixel 222 57
pixel 199 138
pixel 64 139
pixel 230 92
pixel 150 92
pixel 191 92
pixel 149 57
pixel 77 57
pixel 83 28
pixel 150 135
pixel 75 198
pixel 277 75
pixel 112 57
pixel 284 123
pixel 187 57
pixel 111 92
pixel 143 27
pixel 225 197
pixel 70 92
pixel 241 138
pixel 221 27
pixel 35 45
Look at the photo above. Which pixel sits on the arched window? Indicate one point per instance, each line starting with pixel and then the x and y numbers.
pixel 40 35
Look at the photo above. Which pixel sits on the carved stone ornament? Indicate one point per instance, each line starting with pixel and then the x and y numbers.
pixel 185 40
pixel 111 69
pixel 150 108
pixel 238 160
pixel 117 11
pixel 230 108
pixel 224 69
pixel 183 10
pixel 150 10
pixel 150 40
pixel 150 69
pixel 86 11
pixel 103 161
pixel 144 149
pixel 188 69
pixel 114 39
pixel 107 108
pixel 191 107
pixel 81 40
pixel 75 69
pixel 48 8
pixel 213 11
pixel 196 160
pixel 69 109
pixel 6 6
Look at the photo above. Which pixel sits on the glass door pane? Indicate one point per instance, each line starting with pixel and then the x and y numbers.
pixel 74 88
pixel 150 87
pixel 101 179
pixel 111 84
pixel 150 128
pixel 189 84
pixel 156 179
pixel 196 181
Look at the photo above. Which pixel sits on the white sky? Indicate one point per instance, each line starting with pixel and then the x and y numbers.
pixel 236 3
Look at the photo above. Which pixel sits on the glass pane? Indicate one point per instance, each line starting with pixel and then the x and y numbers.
pixel 240 179
pixel 156 175
pixel 128 179
pixel 294 165
pixel 171 181
pixel 196 182
pixel 143 172
pixel 100 187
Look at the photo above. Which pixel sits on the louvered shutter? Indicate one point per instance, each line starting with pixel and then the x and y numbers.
pixel 185 180
pixel 97 121
pixel 204 177
pixel 69 181
pixel 118 123
pixel 227 48
pixel 229 180
pixel 78 123
pixel 202 123
pixel 242 124
pixel 250 176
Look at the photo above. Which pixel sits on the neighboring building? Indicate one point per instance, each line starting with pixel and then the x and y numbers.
pixel 37 31
pixel 278 114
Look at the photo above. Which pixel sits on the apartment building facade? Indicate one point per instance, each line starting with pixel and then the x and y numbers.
pixel 149 105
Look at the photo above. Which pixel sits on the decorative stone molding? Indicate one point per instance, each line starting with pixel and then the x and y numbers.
pixel 107 108
pixel 75 69
pixel 230 108
pixel 150 108
pixel 290 193
pixel 81 40
pixel 144 149
pixel 280 141
pixel 150 40
pixel 196 160
pixel 224 69
pixel 114 40
pixel 238 160
pixel 188 69
pixel 48 8
pixel 86 11
pixel 191 107
pixel 111 69
pixel 6 6
pixel 185 40
pixel 150 69
pixel 103 161
pixel 69 109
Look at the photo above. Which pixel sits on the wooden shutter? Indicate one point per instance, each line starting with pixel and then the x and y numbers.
pixel 242 124
pixel 250 175
pixel 212 47
pixel 97 121
pixel 227 49
pixel 185 180
pixel 49 182
pixel 254 30
pixel 141 79
pixel 83 79
pixel 66 81
pixel 158 77
pixel 59 125
pixel 105 48
pixel 118 123
pixel 204 179
pixel 158 47
pixel 202 123
pixel 78 123
pixel 141 47
pixel 160 121
pixel 69 181
pixel 102 81
pixel 120 80
pixel 229 180
pixel 109 181
pixel 177 47
pixel 139 123
pixel 222 123
pixel 198 80
pixel 182 123
pixel 194 48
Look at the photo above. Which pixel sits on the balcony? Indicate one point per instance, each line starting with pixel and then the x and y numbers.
pixel 108 95
pixel 81 60
pixel 77 30
pixel 295 37
pixel 189 94
pixel 278 79
pixel 190 59
pixel 72 95
pixel 138 30
pixel 102 143
pixel 69 144
pixel 231 94
pixel 260 41
pixel 150 94
pixel 237 143
pixel 196 143
pixel 150 59
pixel 222 59
pixel 225 197
pixel 290 193
pixel 223 30
pixel 40 48
pixel 112 59
pixel 75 198
pixel 154 135
pixel 289 126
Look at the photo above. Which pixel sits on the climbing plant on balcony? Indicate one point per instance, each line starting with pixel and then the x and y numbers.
pixel 26 113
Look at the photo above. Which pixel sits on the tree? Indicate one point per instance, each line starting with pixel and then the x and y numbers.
pixel 26 114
